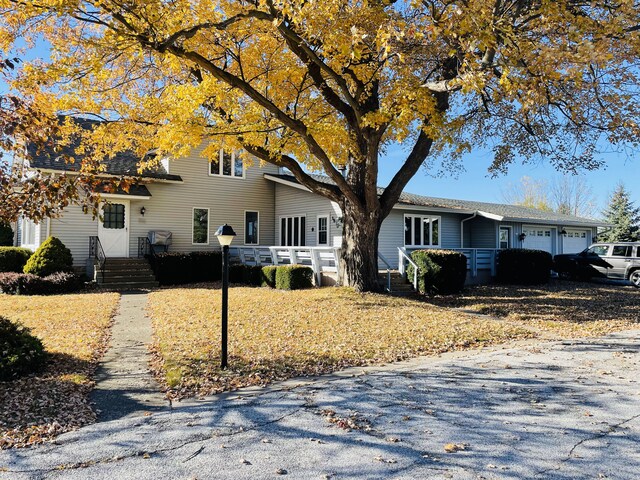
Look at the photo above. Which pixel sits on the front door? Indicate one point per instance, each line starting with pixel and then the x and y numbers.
pixel 504 237
pixel 113 229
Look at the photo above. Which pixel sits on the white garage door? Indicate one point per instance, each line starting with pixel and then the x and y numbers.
pixel 538 239
pixel 575 241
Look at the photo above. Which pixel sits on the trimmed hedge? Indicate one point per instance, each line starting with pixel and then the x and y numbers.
pixel 50 257
pixel 293 277
pixel 174 268
pixel 245 274
pixel 523 266
pixel 441 272
pixel 269 276
pixel 21 353
pixel 6 234
pixel 27 284
pixel 13 259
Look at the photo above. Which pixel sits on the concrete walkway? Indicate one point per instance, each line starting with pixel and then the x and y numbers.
pixel 125 386
pixel 561 410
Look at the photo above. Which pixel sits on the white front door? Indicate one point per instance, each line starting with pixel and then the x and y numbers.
pixel 113 228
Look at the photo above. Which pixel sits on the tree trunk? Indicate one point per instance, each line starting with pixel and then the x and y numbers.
pixel 359 255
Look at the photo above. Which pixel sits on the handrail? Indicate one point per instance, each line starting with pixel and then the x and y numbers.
pixel 402 254
pixel 97 252
pixel 145 247
pixel 386 262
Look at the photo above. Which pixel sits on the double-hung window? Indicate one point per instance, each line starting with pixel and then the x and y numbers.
pixel 323 230
pixel 421 231
pixel 251 228
pixel 200 231
pixel 228 164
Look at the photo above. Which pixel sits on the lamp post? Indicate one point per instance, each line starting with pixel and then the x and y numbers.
pixel 225 236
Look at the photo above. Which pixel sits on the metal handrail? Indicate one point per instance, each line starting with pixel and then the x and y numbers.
pixel 97 252
pixel 388 265
pixel 145 247
pixel 402 253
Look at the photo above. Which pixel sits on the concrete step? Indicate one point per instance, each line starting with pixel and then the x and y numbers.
pixel 125 279
pixel 129 285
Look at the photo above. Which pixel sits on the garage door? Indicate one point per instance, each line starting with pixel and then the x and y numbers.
pixel 538 239
pixel 575 241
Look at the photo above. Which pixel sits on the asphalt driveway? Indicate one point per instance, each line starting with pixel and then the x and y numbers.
pixel 539 410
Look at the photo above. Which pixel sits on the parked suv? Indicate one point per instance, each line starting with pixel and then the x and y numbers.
pixel 619 260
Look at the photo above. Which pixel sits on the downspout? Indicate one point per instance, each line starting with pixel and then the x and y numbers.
pixel 462 228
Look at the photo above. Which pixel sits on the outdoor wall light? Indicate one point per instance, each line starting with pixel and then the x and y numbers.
pixel 563 232
pixel 522 236
pixel 143 210
pixel 225 235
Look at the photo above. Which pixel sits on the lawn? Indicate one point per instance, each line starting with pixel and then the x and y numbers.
pixel 563 308
pixel 74 330
pixel 277 334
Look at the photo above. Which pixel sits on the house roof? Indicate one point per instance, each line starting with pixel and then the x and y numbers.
pixel 495 211
pixel 134 191
pixel 123 164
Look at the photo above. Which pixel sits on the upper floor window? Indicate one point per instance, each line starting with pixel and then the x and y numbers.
pixel 421 231
pixel 228 164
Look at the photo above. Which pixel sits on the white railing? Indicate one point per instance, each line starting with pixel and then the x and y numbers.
pixel 320 259
pixel 477 259
pixel 403 259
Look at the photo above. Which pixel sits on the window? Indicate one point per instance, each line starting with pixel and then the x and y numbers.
pixel 200 226
pixel 600 250
pixel 621 251
pixel 227 165
pixel 251 225
pixel 29 236
pixel 323 230
pixel 292 231
pixel 421 231
pixel 505 237
pixel 113 216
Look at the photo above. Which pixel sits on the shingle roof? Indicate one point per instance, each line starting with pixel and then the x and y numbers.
pixel 503 211
pixel 124 163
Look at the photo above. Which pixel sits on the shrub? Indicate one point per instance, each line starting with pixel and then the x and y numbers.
pixel 175 268
pixel 522 266
pixel 20 352
pixel 237 273
pixel 50 257
pixel 269 276
pixel 6 234
pixel 28 284
pixel 13 259
pixel 439 271
pixel 293 277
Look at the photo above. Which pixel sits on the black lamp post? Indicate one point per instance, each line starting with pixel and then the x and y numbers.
pixel 225 236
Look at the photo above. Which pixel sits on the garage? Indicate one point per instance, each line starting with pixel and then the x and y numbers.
pixel 538 238
pixel 575 241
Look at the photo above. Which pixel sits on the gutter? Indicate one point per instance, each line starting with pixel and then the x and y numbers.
pixel 462 228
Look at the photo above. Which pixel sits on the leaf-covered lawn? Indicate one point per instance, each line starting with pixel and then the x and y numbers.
pixel 74 329
pixel 277 334
pixel 564 308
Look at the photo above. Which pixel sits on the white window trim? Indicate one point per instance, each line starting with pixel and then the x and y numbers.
pixel 303 232
pixel 36 234
pixel 327 217
pixel 193 211
pixel 510 241
pixel 245 227
pixel 220 167
pixel 431 219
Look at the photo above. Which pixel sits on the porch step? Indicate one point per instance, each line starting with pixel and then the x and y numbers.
pixel 399 285
pixel 126 274
pixel 129 286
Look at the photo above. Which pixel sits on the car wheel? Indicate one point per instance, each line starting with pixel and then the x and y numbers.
pixel 634 277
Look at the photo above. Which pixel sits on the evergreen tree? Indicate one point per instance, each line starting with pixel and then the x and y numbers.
pixel 623 215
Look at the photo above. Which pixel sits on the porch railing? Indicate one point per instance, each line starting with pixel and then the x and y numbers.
pixel 97 253
pixel 403 259
pixel 320 259
pixel 477 259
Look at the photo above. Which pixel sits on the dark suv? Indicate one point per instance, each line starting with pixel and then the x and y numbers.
pixel 620 260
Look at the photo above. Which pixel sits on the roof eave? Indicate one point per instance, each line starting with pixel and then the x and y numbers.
pixel 176 179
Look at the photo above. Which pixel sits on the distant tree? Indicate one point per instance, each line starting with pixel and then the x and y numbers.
pixel 528 193
pixel 623 215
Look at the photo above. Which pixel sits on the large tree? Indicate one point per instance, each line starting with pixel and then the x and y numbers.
pixel 623 215
pixel 318 85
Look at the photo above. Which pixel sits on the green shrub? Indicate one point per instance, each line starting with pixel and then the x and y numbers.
pixel 6 234
pixel 293 277
pixel 206 266
pixel 269 276
pixel 27 284
pixel 237 273
pixel 176 268
pixel 13 259
pixel 522 266
pixel 441 272
pixel 50 257
pixel 20 352
pixel 245 274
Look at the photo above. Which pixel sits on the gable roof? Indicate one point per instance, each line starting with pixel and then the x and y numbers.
pixel 495 211
pixel 122 164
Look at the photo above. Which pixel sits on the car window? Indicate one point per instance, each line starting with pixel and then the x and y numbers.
pixel 621 251
pixel 600 250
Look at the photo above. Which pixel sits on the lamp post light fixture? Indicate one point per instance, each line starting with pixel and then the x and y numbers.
pixel 225 235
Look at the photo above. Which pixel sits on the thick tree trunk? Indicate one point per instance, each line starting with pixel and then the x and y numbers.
pixel 359 255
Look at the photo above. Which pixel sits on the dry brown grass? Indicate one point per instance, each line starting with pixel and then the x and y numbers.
pixel 276 334
pixel 563 308
pixel 74 330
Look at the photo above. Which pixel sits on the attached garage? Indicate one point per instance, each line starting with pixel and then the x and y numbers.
pixel 538 238
pixel 575 240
